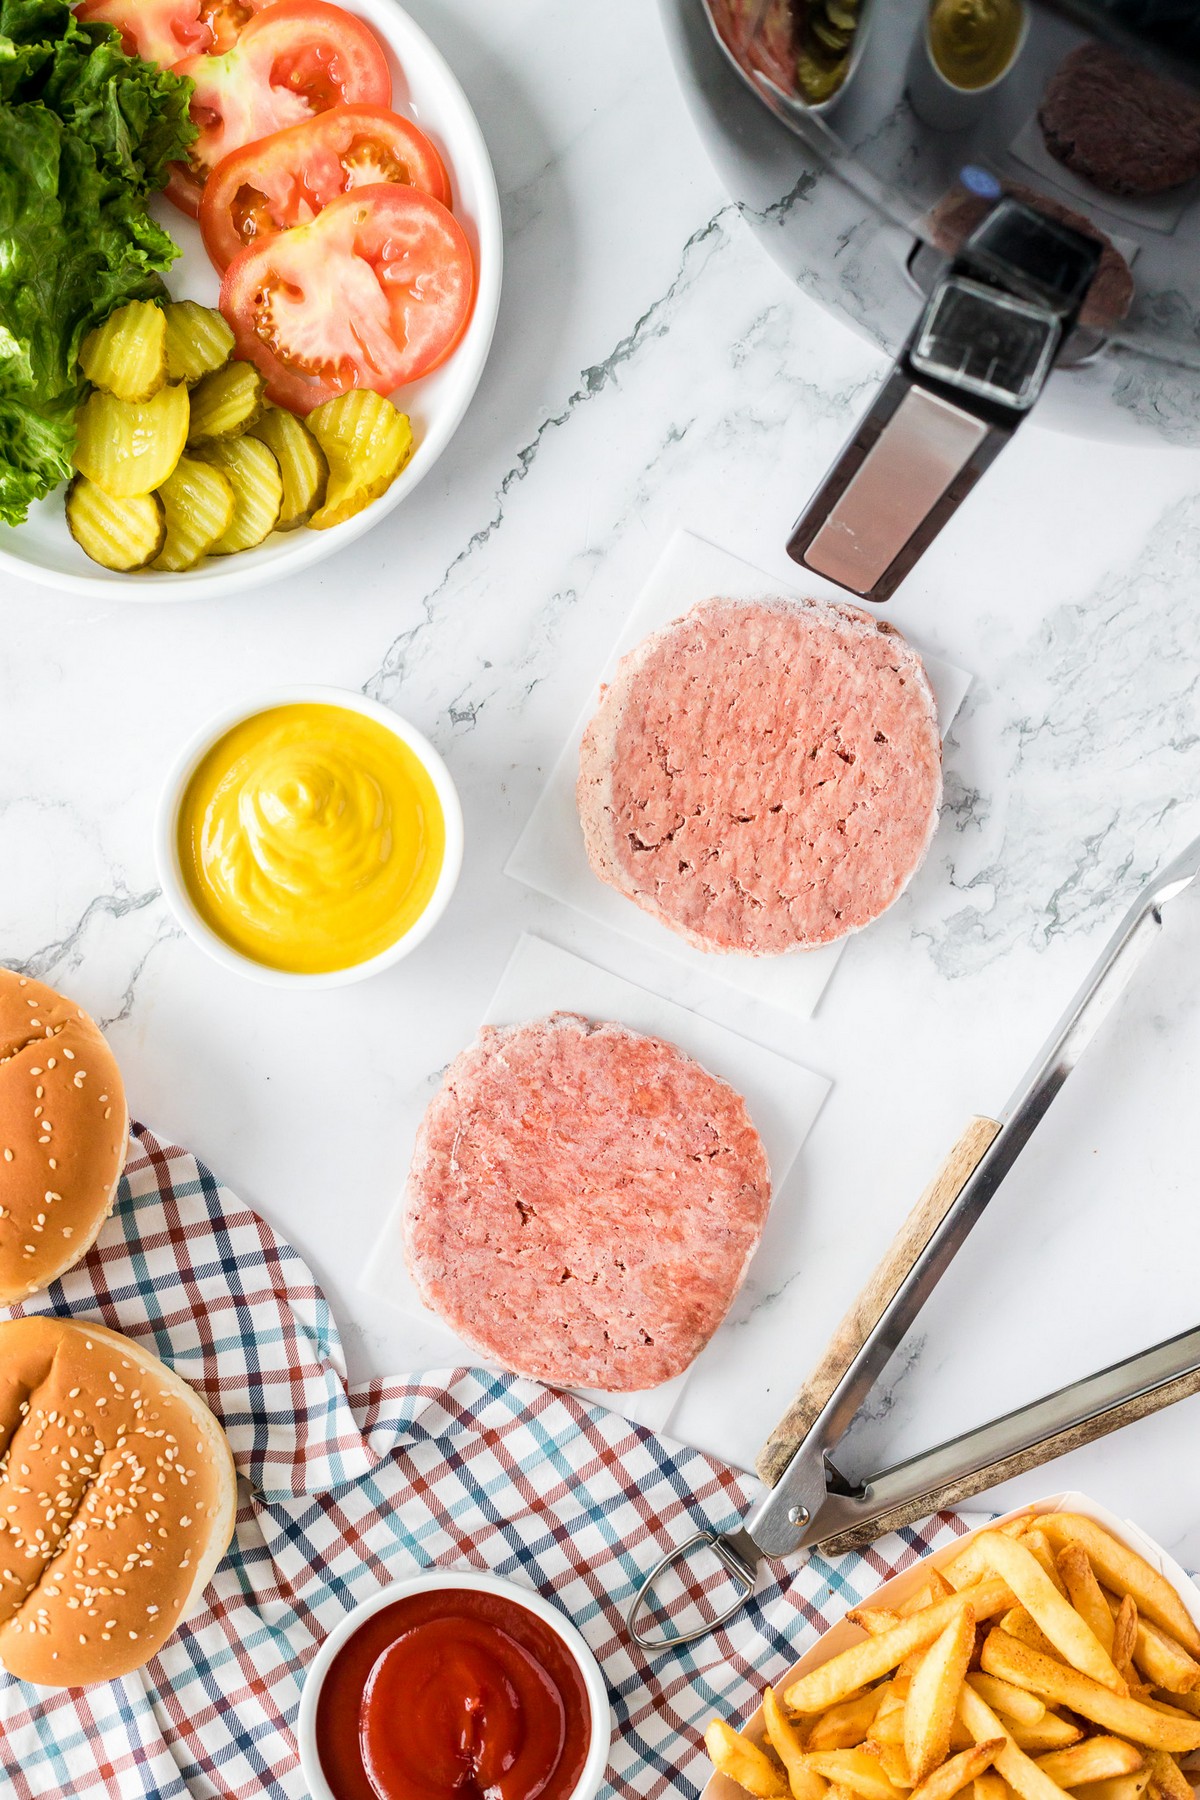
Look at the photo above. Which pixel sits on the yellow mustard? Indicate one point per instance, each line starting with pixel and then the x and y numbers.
pixel 973 41
pixel 311 838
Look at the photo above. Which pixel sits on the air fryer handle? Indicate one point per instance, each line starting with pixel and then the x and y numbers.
pixel 974 364
pixel 911 462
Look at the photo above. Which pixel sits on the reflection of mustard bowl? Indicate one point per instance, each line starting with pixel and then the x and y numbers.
pixel 974 42
pixel 313 837
pixel 966 49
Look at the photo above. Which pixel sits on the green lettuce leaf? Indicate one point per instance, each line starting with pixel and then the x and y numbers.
pixel 86 133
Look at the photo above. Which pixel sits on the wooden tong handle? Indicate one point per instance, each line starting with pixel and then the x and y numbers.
pixel 1072 1438
pixel 874 1299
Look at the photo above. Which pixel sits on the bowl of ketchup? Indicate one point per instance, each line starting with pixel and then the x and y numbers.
pixel 454 1686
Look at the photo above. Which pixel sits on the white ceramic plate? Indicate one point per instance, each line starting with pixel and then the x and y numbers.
pixel 424 89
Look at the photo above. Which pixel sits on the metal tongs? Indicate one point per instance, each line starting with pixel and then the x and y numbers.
pixel 808 1504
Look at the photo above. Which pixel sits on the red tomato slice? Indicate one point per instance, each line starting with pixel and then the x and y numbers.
pixel 293 59
pixel 374 293
pixel 161 31
pixel 286 179
pixel 227 19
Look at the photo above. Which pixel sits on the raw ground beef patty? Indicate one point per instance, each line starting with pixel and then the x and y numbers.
pixel 763 775
pixel 583 1202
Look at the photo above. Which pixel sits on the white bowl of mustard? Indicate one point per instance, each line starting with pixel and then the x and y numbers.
pixel 309 837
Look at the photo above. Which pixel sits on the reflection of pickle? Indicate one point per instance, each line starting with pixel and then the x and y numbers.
pixel 972 42
pixel 824 36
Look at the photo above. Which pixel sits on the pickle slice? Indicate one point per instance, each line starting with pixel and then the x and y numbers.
pixel 831 35
pixel 301 463
pixel 199 504
pixel 257 490
pixel 127 355
pixel 129 447
pixel 117 534
pixel 198 341
pixel 367 442
pixel 226 402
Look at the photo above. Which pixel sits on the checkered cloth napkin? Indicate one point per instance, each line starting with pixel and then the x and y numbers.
pixel 346 1488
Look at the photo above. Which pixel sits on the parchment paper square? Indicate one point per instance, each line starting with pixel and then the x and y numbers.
pixel 549 854
pixel 782 1097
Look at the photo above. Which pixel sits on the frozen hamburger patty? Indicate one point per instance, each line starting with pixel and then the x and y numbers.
pixel 1126 129
pixel 583 1202
pixel 763 776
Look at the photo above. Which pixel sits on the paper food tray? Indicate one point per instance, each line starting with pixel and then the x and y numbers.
pixel 839 1637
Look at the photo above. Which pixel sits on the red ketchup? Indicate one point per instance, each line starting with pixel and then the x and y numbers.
pixel 453 1695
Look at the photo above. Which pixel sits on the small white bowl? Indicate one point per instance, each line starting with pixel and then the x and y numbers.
pixel 589 1782
pixel 166 836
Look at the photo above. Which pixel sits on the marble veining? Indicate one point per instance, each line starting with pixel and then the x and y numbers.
pixel 653 368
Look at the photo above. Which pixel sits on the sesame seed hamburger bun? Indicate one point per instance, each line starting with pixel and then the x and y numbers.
pixel 64 1131
pixel 117 1501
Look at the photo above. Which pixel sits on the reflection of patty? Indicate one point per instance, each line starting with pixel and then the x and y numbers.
pixel 1126 129
pixel 1110 295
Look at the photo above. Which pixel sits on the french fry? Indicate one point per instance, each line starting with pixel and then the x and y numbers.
pixel 1014 1702
pixel 1163 1660
pixel 856 1770
pixel 1020 1771
pixel 970 1566
pixel 1125 1627
pixel 1039 1547
pixel 936 1588
pixel 784 1738
pixel 1084 1591
pixel 990 1786
pixel 874 1620
pixel 743 1762
pixel 933 1698
pixel 847 1724
pixel 889 1732
pixel 1054 1616
pixel 894 1764
pixel 959 1772
pixel 1121 1568
pixel 1121 1787
pixel 1169 1778
pixel 875 1656
pixel 1050 1733
pixel 1176 1703
pixel 1095 1759
pixel 1018 1624
pixel 894 1693
pixel 1016 1662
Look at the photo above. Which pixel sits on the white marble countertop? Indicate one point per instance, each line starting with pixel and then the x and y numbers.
pixel 653 369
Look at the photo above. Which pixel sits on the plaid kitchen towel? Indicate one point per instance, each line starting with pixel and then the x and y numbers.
pixel 345 1488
